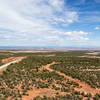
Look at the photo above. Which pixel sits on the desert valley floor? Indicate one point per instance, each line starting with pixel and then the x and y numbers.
pixel 49 75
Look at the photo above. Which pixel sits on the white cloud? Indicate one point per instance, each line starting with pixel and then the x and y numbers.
pixel 35 20
pixel 55 38
pixel 97 28
pixel 34 14
pixel 73 35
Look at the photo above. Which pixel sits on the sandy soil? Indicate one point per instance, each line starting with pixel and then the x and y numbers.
pixel 93 53
pixel 39 92
pixel 89 56
pixel 91 70
pixel 49 92
pixel 6 60
pixel 10 59
pixel 2 70
pixel 30 51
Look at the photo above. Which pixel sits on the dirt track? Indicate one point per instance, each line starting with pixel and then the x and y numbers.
pixel 14 60
pixel 37 92
pixel 85 87
pixel 40 92
pixel 7 60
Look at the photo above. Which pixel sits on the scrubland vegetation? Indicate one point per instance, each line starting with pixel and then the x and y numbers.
pixel 30 75
pixel 75 67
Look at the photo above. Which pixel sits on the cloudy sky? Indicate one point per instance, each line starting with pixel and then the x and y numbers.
pixel 57 23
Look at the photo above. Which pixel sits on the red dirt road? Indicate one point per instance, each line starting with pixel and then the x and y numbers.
pixel 85 87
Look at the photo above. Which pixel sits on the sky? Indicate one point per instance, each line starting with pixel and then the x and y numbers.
pixel 50 23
